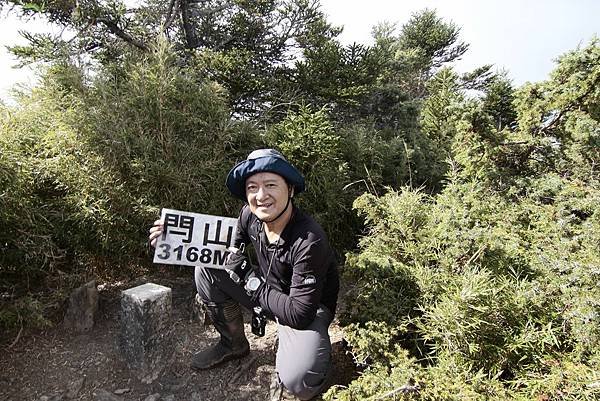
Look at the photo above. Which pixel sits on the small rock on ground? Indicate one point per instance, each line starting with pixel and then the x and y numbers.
pixel 103 395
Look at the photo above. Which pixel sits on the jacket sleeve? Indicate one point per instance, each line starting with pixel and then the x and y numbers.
pixel 310 260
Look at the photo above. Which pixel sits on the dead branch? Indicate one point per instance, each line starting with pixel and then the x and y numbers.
pixel 405 389
pixel 172 11
pixel 570 107
pixel 114 28
pixel 16 339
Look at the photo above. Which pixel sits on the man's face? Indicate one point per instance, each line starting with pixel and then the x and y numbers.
pixel 267 195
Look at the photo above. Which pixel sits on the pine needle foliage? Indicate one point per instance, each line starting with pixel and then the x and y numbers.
pixel 488 289
pixel 87 163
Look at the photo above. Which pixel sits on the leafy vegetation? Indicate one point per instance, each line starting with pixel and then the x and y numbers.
pixel 470 222
pixel 488 289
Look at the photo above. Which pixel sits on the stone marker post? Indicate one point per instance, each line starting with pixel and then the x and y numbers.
pixel 146 339
pixel 83 305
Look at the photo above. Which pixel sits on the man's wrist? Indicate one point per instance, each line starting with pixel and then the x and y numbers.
pixel 254 284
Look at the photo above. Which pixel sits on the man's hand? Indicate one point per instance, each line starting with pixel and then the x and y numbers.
pixel 237 265
pixel 155 231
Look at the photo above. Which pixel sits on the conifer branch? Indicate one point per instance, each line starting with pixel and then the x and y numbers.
pixel 120 33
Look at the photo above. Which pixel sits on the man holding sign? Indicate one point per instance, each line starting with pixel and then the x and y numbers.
pixel 296 282
pixel 193 239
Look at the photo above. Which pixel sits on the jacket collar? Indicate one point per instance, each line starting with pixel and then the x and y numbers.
pixel 284 234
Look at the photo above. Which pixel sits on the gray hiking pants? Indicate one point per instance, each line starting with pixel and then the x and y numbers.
pixel 303 356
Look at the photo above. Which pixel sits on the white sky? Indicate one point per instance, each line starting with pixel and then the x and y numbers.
pixel 521 36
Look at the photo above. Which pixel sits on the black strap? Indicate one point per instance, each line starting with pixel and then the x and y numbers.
pixel 282 212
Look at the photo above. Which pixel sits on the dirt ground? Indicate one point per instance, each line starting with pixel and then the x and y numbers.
pixel 55 365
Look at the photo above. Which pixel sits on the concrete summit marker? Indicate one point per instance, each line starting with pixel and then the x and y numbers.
pixel 146 338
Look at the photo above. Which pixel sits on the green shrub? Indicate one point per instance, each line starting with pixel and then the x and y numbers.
pixel 87 164
pixel 486 291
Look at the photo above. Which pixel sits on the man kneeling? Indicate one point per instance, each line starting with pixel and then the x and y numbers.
pixel 296 282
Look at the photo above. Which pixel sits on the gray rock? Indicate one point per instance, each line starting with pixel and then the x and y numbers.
pixel 199 312
pixel 103 395
pixel 83 305
pixel 153 397
pixel 57 397
pixel 177 385
pixel 121 391
pixel 74 388
pixel 146 341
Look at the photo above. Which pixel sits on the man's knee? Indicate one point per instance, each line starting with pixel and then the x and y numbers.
pixel 204 283
pixel 216 286
pixel 303 384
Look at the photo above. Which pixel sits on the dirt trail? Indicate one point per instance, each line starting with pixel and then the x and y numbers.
pixel 56 365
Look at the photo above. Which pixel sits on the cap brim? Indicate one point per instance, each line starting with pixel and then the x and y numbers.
pixel 236 179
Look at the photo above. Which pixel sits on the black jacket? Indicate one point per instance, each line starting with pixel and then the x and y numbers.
pixel 300 269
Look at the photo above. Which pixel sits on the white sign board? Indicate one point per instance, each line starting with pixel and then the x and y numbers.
pixel 194 239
